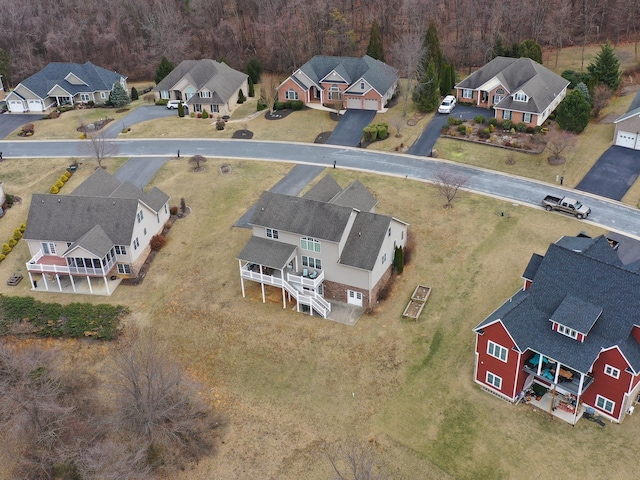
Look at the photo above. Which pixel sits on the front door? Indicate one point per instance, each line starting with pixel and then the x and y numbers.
pixel 354 298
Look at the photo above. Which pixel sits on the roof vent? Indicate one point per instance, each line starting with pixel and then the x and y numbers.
pixel 59 200
pixel 359 234
pixel 262 209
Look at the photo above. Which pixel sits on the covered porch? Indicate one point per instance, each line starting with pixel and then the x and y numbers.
pixel 549 372
pixel 83 285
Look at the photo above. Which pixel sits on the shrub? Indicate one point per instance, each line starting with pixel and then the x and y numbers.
pixel 462 129
pixel 287 104
pixel 23 227
pixel 205 114
pixel 297 104
pixel 17 234
pixel 370 133
pixel 492 127
pixel 199 115
pixel 479 119
pixel 59 184
pixel 383 131
pixel 451 120
pixel 469 130
pixel 10 200
pixel 521 127
pixel 493 121
pixel 530 130
pixel 192 115
pixel 134 93
pixel 445 129
pixel 398 260
pixel 162 101
pixel 2 256
pixel 55 114
pixel 12 242
pixel 157 242
pixel 506 125
pixel 54 190
pixel 457 121
pixel 6 248
pixel 28 130
pixel 66 175
pixel 260 106
pixel 484 133
pixel 278 106
pixel 537 129
pixel 241 97
pixel 220 124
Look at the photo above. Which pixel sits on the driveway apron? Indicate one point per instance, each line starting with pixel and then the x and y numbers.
pixel 10 121
pixel 348 132
pixel 613 174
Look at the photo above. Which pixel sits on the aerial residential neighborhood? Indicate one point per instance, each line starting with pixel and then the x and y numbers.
pixel 270 241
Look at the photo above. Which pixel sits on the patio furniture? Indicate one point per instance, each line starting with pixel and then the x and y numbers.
pixel 313 274
pixel 305 272
pixel 14 279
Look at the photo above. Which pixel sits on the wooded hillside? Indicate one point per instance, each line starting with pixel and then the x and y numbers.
pixel 131 36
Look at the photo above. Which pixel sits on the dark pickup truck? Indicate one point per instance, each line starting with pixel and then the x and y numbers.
pixel 567 205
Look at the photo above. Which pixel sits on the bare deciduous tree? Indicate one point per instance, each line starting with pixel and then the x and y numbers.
pixel 355 461
pixel 599 98
pixel 448 184
pixel 268 92
pixel 99 146
pixel 557 142
pixel 407 53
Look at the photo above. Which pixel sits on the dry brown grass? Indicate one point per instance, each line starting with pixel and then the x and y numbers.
pixel 287 385
pixel 571 58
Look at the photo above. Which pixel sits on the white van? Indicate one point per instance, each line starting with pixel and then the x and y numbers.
pixel 171 104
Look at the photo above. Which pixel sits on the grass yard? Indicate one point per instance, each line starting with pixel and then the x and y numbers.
pixel 287 385
pixel 571 58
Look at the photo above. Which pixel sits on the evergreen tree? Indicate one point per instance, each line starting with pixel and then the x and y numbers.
pixel 5 69
pixel 530 49
pixel 254 70
pixel 252 89
pixel 241 97
pixel 375 48
pixel 134 93
pixel 164 69
pixel 398 260
pixel 581 87
pixel 498 47
pixel 180 110
pixel 573 112
pixel 427 90
pixel 447 79
pixel 606 67
pixel 432 50
pixel 118 96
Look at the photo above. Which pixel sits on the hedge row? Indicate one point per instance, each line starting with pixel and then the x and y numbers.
pixel 375 131
pixel 60 183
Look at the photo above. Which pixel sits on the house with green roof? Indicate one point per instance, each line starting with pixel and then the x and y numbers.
pixel 204 85
pixel 62 83
pixel 88 241
pixel 349 82
pixel 327 246
pixel 518 89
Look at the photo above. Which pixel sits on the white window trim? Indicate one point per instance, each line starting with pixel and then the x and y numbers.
pixel 567 332
pixel 272 233
pixel 493 379
pixel 527 117
pixel 520 97
pixel 311 262
pixel 611 371
pixel 384 258
pixel 291 94
pixel 310 244
pixel 605 400
pixel 507 114
pixel 467 93
pixel 497 351
pixel 124 269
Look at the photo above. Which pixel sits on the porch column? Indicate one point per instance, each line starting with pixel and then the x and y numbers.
pixel 58 280
pixel 264 300
pixel 540 364
pixel 73 284
pixel 555 380
pixel 89 283
pixel 30 279
pixel 241 279
pixel 44 279
pixel 284 299
pixel 106 284
pixel 581 384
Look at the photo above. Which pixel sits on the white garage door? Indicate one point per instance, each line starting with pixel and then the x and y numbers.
pixel 627 139
pixel 35 105
pixel 370 104
pixel 16 106
pixel 354 298
pixel 354 103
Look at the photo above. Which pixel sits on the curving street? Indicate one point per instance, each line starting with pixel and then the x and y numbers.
pixel 608 214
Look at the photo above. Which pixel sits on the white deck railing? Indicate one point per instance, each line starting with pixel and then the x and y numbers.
pixel 34 266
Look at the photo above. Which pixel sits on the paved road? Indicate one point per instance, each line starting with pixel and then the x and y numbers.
pixel 348 131
pixel 613 174
pixel 609 214
pixel 429 136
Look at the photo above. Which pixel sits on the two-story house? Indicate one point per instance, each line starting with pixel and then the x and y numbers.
pixel 518 89
pixel 571 334
pixel 87 241
pixel 357 83
pixel 204 85
pixel 328 245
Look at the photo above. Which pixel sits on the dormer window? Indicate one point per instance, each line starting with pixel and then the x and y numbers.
pixel 569 332
pixel 205 94
pixel 520 97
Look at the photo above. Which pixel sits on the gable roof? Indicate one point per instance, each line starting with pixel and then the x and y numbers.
pixel 633 111
pixel 324 190
pixel 365 240
pixel 218 78
pixel 378 74
pixel 592 281
pixel 100 201
pixel 356 195
pixel 96 78
pixel 266 252
pixel 539 83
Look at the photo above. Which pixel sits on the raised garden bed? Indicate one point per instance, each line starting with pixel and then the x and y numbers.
pixel 417 302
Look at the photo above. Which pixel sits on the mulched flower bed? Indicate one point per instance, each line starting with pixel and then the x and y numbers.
pixel 243 134
pixel 278 114
pixel 518 141
pixel 323 137
pixel 95 126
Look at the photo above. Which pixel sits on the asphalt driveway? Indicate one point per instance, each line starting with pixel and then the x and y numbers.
pixel 140 114
pixel 10 121
pixel 140 170
pixel 348 132
pixel 613 174
pixel 429 136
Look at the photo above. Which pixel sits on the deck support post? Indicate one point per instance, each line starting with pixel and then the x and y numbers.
pixel 241 279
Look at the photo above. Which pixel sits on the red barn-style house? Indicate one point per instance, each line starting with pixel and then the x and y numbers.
pixel 356 83
pixel 569 340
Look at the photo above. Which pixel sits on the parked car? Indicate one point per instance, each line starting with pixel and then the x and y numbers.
pixel 171 104
pixel 447 104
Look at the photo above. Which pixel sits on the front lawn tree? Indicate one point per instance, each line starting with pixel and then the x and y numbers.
pixel 426 94
pixel 557 142
pixel 599 98
pixel 164 68
pixel 375 48
pixel 254 70
pixel 606 67
pixel 448 184
pixel 197 160
pixel 573 112
pixel 407 52
pixel 119 96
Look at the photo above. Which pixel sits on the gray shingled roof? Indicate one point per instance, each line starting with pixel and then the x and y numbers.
pixel 632 111
pixel 365 240
pixel 378 74
pixel 577 314
pixel 73 218
pixel 301 216
pixel 540 84
pixel 218 78
pixel 267 252
pixel 96 78
pixel 324 190
pixel 591 279
pixel 532 266
pixel 95 241
pixel 357 196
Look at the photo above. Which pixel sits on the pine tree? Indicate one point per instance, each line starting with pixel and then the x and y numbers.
pixel 119 96
pixel 498 47
pixel 180 110
pixel 164 69
pixel 432 51
pixel 252 89
pixel 426 93
pixel 573 112
pixel 606 67
pixel 581 87
pixel 241 97
pixel 254 70
pixel 447 79
pixel 531 49
pixel 134 93
pixel 375 48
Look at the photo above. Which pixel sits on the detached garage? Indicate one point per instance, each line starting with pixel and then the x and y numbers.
pixel 627 133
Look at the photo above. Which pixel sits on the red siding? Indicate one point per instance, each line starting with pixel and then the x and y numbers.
pixel 508 370
pixel 635 331
pixel 607 386
pixel 527 284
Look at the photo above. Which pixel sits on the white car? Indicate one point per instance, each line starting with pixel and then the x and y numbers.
pixel 171 104
pixel 447 104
